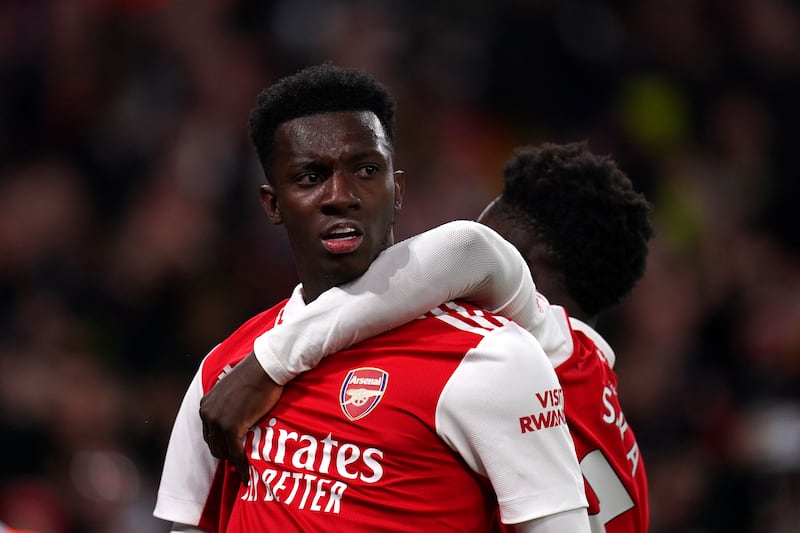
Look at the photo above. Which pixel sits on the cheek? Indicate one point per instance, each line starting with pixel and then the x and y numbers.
pixel 296 207
pixel 385 211
pixel 392 194
pixel 385 201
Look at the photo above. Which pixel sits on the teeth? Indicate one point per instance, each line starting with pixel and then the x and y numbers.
pixel 342 233
pixel 341 236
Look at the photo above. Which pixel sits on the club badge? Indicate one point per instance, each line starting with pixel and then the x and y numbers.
pixel 361 391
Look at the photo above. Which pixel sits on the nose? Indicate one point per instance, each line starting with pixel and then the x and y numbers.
pixel 341 193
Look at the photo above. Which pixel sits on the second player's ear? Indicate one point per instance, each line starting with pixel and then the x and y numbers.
pixel 269 201
pixel 399 188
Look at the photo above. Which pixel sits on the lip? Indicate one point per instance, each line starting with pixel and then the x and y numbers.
pixel 353 236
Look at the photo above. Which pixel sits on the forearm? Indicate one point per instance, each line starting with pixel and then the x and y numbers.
pixel 460 259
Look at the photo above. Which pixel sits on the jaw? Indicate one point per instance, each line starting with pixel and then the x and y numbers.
pixel 338 257
pixel 327 270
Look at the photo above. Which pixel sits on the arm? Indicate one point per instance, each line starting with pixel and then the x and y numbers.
pixel 460 259
pixel 502 411
pixel 189 469
pixel 575 520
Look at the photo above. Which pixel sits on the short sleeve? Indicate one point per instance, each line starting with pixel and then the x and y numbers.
pixel 503 412
pixel 189 467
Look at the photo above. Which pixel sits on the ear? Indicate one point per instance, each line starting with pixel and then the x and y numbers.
pixel 269 201
pixel 399 188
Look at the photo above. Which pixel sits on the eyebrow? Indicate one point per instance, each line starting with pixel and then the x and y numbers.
pixel 310 162
pixel 364 154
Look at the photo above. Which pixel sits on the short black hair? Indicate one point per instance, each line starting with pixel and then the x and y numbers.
pixel 585 212
pixel 313 90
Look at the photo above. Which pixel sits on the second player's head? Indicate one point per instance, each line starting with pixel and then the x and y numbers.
pixel 577 219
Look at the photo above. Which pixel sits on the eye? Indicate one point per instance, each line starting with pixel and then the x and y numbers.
pixel 308 178
pixel 367 171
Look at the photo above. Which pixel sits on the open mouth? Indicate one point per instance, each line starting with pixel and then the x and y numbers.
pixel 342 240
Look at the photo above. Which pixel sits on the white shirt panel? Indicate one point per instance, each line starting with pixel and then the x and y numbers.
pixel 188 471
pixel 573 521
pixel 504 379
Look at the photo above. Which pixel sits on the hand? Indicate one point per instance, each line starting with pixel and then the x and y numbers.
pixel 232 406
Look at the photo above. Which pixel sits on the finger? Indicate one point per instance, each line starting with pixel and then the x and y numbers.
pixel 217 445
pixel 237 457
pixel 210 431
pixel 206 431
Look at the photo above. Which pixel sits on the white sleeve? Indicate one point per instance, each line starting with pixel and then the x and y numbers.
pixel 503 412
pixel 189 467
pixel 574 521
pixel 461 259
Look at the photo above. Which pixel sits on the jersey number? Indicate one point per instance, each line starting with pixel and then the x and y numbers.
pixel 612 497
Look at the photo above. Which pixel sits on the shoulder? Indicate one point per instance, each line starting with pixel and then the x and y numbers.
pixel 501 351
pixel 239 343
pixel 589 336
pixel 459 236
pixel 258 324
pixel 463 316
pixel 459 324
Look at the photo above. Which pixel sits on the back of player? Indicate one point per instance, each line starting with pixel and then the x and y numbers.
pixel 613 471
pixel 616 483
pixel 583 229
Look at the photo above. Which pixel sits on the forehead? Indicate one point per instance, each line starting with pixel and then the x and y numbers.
pixel 331 134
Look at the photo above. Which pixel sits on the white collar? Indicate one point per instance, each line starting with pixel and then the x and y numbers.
pixel 602 345
pixel 294 305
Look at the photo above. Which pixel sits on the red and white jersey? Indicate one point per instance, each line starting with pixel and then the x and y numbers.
pixel 464 259
pixel 616 483
pixel 432 426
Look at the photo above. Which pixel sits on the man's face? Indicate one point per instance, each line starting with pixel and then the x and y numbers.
pixel 332 184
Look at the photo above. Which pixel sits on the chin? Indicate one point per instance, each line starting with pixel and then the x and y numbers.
pixel 347 268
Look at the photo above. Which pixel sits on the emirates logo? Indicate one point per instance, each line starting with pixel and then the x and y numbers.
pixel 362 390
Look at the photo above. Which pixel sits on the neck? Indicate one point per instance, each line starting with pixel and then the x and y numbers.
pixel 316 281
pixel 556 296
pixel 549 283
pixel 575 312
pixel 314 286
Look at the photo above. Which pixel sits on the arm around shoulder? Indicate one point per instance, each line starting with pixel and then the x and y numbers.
pixel 460 259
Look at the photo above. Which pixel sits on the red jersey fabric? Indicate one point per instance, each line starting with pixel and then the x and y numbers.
pixel 612 468
pixel 415 430
pixel 616 482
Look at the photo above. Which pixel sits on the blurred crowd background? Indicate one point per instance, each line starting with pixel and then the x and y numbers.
pixel 132 240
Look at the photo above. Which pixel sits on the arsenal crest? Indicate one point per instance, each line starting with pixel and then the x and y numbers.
pixel 361 391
